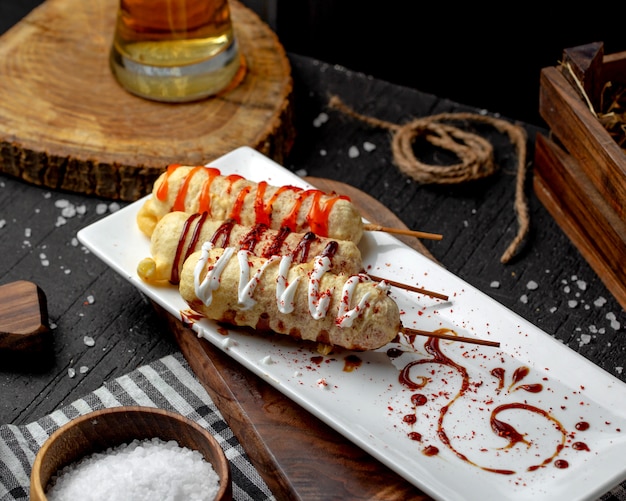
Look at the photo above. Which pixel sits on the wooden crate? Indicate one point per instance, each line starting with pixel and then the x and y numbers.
pixel 580 170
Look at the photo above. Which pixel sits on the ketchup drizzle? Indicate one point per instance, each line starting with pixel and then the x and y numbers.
pixel 317 216
pixel 235 213
pixel 163 189
pixel 204 203
pixel 179 202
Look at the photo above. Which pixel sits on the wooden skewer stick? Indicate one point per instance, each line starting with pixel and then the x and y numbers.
pixel 400 231
pixel 451 337
pixel 426 292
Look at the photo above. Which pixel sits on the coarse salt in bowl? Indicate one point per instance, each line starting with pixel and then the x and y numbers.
pixel 143 452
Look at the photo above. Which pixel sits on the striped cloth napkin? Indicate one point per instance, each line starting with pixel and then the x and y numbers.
pixel 167 384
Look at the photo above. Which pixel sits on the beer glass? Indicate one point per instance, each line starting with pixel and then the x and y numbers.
pixel 174 50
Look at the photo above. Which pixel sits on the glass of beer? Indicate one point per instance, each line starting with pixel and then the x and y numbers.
pixel 174 50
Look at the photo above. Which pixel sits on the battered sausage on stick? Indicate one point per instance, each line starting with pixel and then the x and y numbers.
pixel 178 234
pixel 304 301
pixel 200 189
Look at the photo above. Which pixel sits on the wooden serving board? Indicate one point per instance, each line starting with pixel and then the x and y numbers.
pixel 298 456
pixel 65 123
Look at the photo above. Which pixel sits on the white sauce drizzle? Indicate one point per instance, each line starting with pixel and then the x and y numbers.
pixel 211 281
pixel 318 302
pixel 247 285
pixel 345 315
pixel 285 293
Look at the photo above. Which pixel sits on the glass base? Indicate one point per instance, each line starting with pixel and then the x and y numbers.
pixel 176 84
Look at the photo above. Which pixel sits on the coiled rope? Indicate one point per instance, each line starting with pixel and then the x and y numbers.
pixel 475 154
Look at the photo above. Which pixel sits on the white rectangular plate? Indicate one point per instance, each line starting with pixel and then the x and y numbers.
pixel 532 388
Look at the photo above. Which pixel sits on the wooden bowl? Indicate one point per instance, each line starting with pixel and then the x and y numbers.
pixel 99 430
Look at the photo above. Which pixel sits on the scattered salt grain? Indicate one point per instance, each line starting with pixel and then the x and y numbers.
pixel 322 118
pixel 532 285
pixel 585 339
pixel 27 232
pixel 89 341
pixel 101 209
pixel 572 303
pixel 83 369
pixel 524 298
pixel 301 172
pixel 3 223
pixel 567 289
pixel 495 284
pixel 69 211
pixel 582 285
pixel 71 372
pixel 353 152
pixel 367 146
pixel 114 207
pixel 615 325
pixel 90 299
pixel 140 470
pixel 599 302
pixel 323 153
pixel 60 221
pixel 619 370
pixel 553 309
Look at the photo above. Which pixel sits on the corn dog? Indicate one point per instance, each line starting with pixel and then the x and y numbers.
pixel 304 301
pixel 178 234
pixel 199 189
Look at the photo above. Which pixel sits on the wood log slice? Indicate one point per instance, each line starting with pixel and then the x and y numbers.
pixel 66 123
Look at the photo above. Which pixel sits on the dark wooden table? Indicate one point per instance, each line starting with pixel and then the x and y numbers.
pixel 84 297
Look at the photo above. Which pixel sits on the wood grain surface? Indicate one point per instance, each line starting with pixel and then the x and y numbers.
pixel 584 137
pixel 23 317
pixel 298 456
pixel 583 214
pixel 67 124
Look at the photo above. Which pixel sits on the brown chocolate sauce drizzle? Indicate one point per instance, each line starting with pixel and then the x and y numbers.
pixel 499 427
pixel 221 237
pixel 351 362
pixel 301 252
pixel 252 238
pixel 274 249
pixel 177 264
